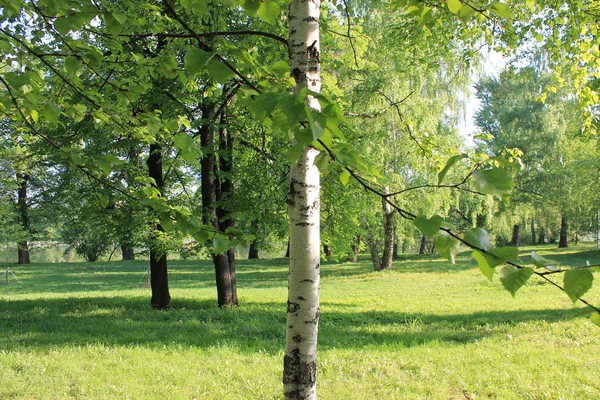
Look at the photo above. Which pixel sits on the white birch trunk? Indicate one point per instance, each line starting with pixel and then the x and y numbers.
pixel 300 359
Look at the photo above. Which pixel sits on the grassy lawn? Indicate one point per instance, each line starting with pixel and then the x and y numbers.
pixel 427 330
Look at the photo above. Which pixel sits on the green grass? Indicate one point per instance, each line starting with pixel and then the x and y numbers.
pixel 427 330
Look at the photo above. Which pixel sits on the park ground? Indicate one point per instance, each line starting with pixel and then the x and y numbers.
pixel 426 330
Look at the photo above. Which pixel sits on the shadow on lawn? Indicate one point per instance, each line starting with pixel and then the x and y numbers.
pixel 127 321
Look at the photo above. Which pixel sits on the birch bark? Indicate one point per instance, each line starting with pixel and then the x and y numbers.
pixel 300 362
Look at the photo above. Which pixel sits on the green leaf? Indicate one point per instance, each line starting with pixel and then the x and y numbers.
pixel 316 121
pixel 428 227
pixel 496 182
pixel 76 158
pixel 595 318
pixel 454 6
pixel 263 105
pixel 103 199
pixel 200 235
pixel 113 26
pixel 66 24
pixel 183 141
pixel 504 254
pixel 72 65
pixel 219 71
pixel 268 11
pixel 447 246
pixel 451 161
pixel 577 282
pixel 220 244
pixel 501 10
pixel 294 152
pixel 513 278
pixel 51 112
pixel 345 177
pixel 486 264
pixel 281 69
pixel 292 107
pixel 478 237
pixel 196 60
pixel 542 262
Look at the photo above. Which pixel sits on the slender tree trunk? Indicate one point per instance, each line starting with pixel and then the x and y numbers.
pixel 159 278
pixel 300 357
pixel 355 247
pixel 532 231
pixel 562 242
pixel 395 255
pixel 388 230
pixel 372 244
pixel 253 250
pixel 22 246
pixel 287 249
pixel 216 195
pixel 516 235
pixel 423 245
pixel 327 250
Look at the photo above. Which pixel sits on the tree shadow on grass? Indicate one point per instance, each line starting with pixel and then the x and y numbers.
pixel 43 324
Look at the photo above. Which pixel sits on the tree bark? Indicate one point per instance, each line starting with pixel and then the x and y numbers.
pixel 355 246
pixel 516 235
pixel 127 252
pixel 300 356
pixel 372 244
pixel 423 246
pixel 533 231
pixel 22 246
pixel 287 249
pixel 159 278
pixel 327 250
pixel 216 197
pixel 388 231
pixel 253 250
pixel 562 241
pixel 395 255
pixel 542 236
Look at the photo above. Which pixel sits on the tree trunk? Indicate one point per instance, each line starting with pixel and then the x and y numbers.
pixel 216 196
pixel 253 250
pixel 562 242
pixel 372 244
pixel 287 249
pixel 480 221
pixel 127 252
pixel 542 237
pixel 300 356
pixel 327 250
pixel 532 231
pixel 395 255
pixel 159 278
pixel 423 245
pixel 388 230
pixel 355 247
pixel 516 235
pixel 22 246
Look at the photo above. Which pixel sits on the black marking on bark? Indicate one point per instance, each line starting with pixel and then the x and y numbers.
pixel 299 374
pixel 292 307
pixel 304 224
pixel 315 320
pixel 300 298
pixel 311 19
pixel 318 266
pixel 307 280
pixel 298 338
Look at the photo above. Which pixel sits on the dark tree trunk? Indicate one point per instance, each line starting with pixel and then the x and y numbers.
pixel 372 245
pixel 22 246
pixel 327 250
pixel 253 250
pixel 542 236
pixel 395 255
pixel 532 231
pixel 480 221
pixel 423 246
pixel 127 251
pixel 287 251
pixel 355 247
pixel 159 278
pixel 217 195
pixel 388 231
pixel 562 241
pixel 516 235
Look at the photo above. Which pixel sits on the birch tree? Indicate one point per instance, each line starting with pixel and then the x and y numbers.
pixel 300 360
